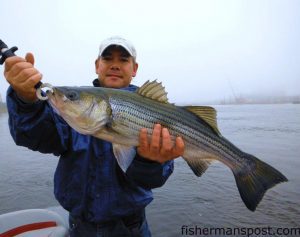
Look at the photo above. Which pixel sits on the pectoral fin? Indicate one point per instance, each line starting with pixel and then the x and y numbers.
pixel 124 155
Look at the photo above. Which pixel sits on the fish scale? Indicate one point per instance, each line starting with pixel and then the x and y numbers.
pixel 136 114
pixel 119 116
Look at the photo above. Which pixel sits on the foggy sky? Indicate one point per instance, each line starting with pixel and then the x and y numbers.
pixel 200 50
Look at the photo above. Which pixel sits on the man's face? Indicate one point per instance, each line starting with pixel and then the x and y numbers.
pixel 115 68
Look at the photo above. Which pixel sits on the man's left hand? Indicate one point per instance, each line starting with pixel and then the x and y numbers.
pixel 160 148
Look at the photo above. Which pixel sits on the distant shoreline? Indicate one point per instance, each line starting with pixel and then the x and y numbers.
pixel 261 100
pixel 258 103
pixel 3 108
pixel 237 103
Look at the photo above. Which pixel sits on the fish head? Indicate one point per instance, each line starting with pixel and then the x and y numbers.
pixel 82 108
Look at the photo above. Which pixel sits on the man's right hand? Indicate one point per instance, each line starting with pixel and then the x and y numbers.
pixel 22 76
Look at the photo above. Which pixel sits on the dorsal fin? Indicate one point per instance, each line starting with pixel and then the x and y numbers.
pixel 154 91
pixel 207 113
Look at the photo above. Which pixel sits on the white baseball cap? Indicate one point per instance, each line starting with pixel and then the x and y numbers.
pixel 117 40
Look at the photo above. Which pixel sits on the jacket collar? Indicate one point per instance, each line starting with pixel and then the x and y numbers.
pixel 131 87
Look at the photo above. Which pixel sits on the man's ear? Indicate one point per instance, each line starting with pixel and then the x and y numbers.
pixel 135 68
pixel 96 65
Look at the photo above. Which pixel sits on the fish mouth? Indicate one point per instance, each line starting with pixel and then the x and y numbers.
pixel 54 98
pixel 54 94
pixel 57 98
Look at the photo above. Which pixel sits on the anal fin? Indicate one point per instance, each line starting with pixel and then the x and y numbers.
pixel 198 165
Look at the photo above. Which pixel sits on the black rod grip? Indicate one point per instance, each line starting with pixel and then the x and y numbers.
pixel 5 53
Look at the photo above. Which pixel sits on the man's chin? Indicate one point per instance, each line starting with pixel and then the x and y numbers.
pixel 112 83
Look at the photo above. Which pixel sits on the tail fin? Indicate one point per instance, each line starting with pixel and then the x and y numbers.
pixel 255 180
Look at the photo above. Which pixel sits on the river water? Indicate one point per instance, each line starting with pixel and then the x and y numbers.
pixel 270 132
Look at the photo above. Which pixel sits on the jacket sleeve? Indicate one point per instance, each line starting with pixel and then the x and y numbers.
pixel 36 126
pixel 149 174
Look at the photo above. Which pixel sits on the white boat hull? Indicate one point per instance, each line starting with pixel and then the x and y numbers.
pixel 33 223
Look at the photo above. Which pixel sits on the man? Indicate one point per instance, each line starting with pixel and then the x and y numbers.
pixel 102 200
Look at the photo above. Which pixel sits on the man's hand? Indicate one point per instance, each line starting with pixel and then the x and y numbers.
pixel 160 148
pixel 22 76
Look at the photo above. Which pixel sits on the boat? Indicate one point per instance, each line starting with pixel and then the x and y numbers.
pixel 33 223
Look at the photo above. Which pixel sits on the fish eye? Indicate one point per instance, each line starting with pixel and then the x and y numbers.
pixel 72 95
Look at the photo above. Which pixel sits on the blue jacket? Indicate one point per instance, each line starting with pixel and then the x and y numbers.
pixel 88 181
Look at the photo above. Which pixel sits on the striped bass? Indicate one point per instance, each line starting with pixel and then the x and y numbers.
pixel 117 116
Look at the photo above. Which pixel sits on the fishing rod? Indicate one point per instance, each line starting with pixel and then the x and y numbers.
pixel 6 52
